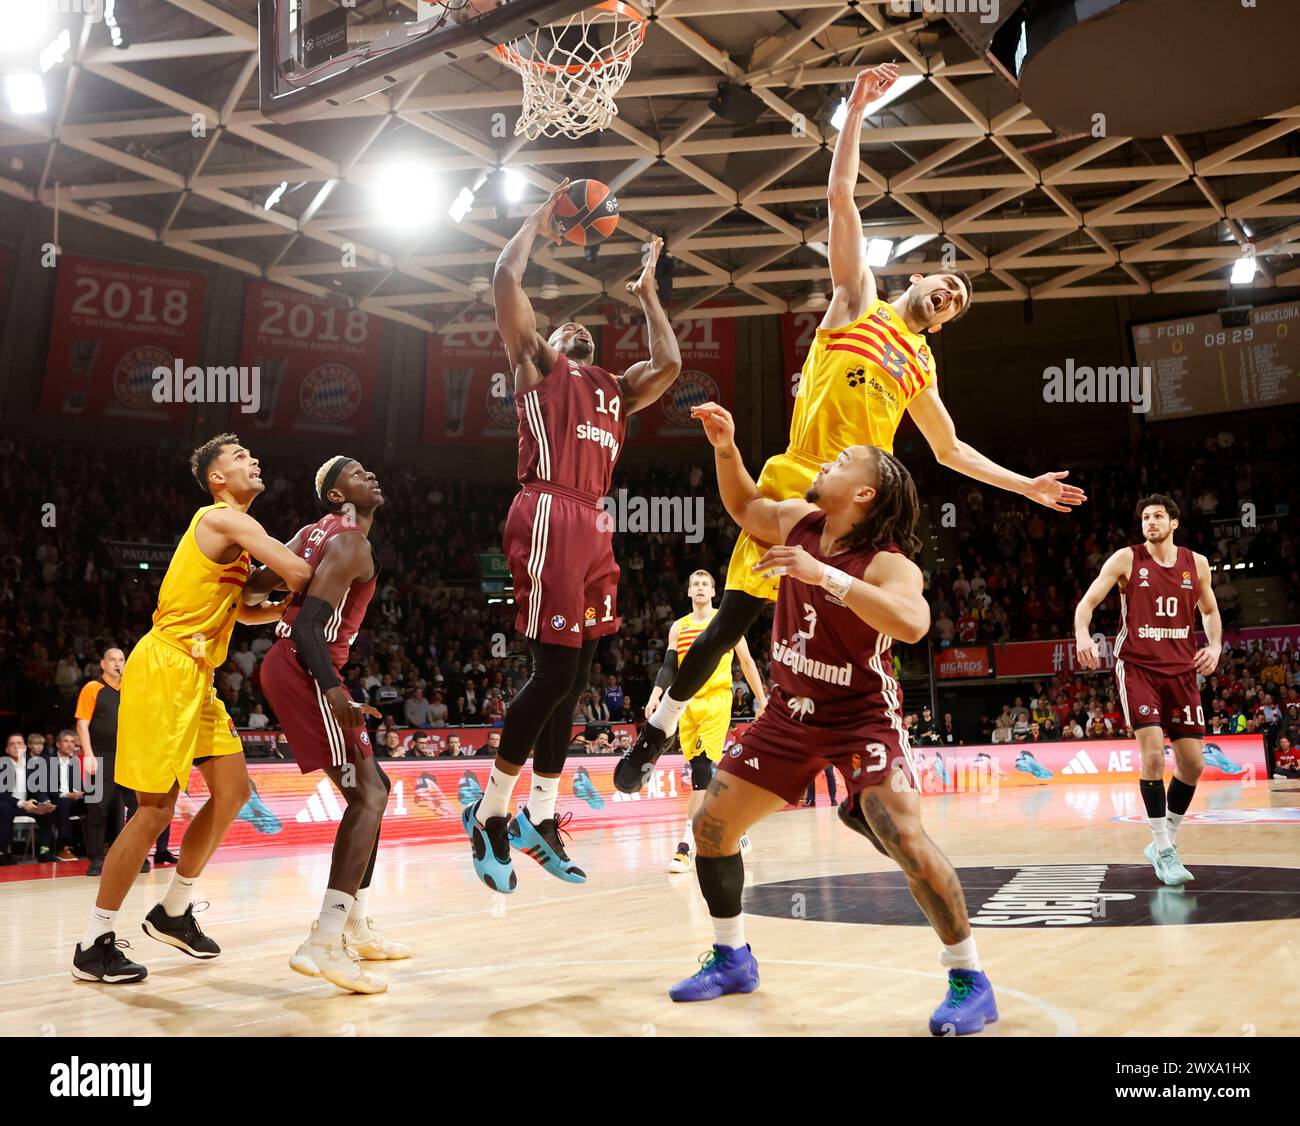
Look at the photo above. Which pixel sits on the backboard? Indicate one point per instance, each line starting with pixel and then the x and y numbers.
pixel 320 53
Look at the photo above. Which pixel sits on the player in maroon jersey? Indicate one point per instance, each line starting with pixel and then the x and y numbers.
pixel 325 726
pixel 849 587
pixel 572 425
pixel 1156 662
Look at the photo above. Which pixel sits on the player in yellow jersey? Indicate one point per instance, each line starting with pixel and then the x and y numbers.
pixel 868 365
pixel 170 718
pixel 705 723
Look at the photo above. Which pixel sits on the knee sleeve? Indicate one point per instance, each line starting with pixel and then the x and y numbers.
pixel 701 772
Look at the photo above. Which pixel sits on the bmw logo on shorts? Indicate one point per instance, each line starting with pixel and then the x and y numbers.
pixel 557 622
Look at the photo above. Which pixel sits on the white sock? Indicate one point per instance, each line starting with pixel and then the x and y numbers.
pixel 1175 820
pixel 541 799
pixel 496 795
pixel 357 915
pixel 334 911
pixel 1160 831
pixel 179 896
pixel 101 922
pixel 668 713
pixel 689 835
pixel 729 932
pixel 961 955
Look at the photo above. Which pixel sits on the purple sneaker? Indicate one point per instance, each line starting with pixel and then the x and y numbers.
pixel 968 1007
pixel 725 969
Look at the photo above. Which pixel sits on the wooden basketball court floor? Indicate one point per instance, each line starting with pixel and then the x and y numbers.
pixel 598 959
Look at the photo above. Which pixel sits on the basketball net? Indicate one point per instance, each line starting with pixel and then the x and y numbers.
pixel 570 77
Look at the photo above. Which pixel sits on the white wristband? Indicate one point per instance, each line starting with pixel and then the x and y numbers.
pixel 836 581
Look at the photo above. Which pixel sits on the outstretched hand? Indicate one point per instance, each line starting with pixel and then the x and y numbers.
pixel 871 84
pixel 1048 490
pixel 719 426
pixel 646 282
pixel 544 213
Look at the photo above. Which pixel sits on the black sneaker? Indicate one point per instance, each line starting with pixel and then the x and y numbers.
pixel 163 859
pixel 44 855
pixel 95 868
pixel 180 931
pixel 850 815
pixel 633 769
pixel 105 962
pixel 144 868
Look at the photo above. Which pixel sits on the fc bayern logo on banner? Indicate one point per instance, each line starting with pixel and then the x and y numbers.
pixel 692 389
pixel 330 393
pixel 133 380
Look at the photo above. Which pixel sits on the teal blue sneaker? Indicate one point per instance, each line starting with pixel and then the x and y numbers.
pixel 469 790
pixel 1168 866
pixel 584 789
pixel 542 843
pixel 1213 755
pixel 492 863
pixel 256 812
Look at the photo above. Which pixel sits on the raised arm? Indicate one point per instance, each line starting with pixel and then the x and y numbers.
pixel 936 425
pixel 1207 658
pixel 644 382
pixel 245 532
pixel 767 520
pixel 749 668
pixel 854 285
pixel 1116 569
pixel 530 356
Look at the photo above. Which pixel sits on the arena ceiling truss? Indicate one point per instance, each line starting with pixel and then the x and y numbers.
pixel 955 167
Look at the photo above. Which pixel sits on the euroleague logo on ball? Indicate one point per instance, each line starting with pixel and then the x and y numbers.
pixel 691 390
pixel 133 380
pixel 330 393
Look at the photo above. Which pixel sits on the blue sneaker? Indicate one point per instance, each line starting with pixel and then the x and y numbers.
pixel 584 789
pixel 1169 867
pixel 258 814
pixel 1215 757
pixel 941 770
pixel 542 842
pixel 492 863
pixel 469 791
pixel 968 1007
pixel 725 969
pixel 1027 764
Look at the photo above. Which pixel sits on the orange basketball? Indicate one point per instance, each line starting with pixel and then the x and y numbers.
pixel 586 213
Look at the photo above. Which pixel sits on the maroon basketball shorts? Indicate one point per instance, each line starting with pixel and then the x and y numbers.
pixel 315 736
pixel 782 755
pixel 1153 699
pixel 562 561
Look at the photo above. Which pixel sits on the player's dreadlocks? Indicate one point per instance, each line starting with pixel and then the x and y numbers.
pixel 893 514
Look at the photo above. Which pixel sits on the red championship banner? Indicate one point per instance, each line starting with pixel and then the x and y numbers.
pixel 115 324
pixel 469 393
pixel 798 331
pixel 970 661
pixel 708 347
pixel 318 359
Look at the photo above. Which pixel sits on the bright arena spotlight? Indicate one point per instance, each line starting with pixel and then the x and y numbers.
pixel 685 519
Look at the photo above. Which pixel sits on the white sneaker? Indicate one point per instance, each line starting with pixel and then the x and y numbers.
pixel 370 945
pixel 330 959
pixel 746 846
pixel 681 861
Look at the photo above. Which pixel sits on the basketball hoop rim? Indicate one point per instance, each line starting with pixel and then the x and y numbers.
pixel 510 56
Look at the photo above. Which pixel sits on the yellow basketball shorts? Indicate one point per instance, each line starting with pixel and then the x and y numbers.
pixel 784 477
pixel 703 725
pixel 168 716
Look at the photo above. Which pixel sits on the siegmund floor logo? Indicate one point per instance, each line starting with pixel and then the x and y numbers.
pixel 1045 895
